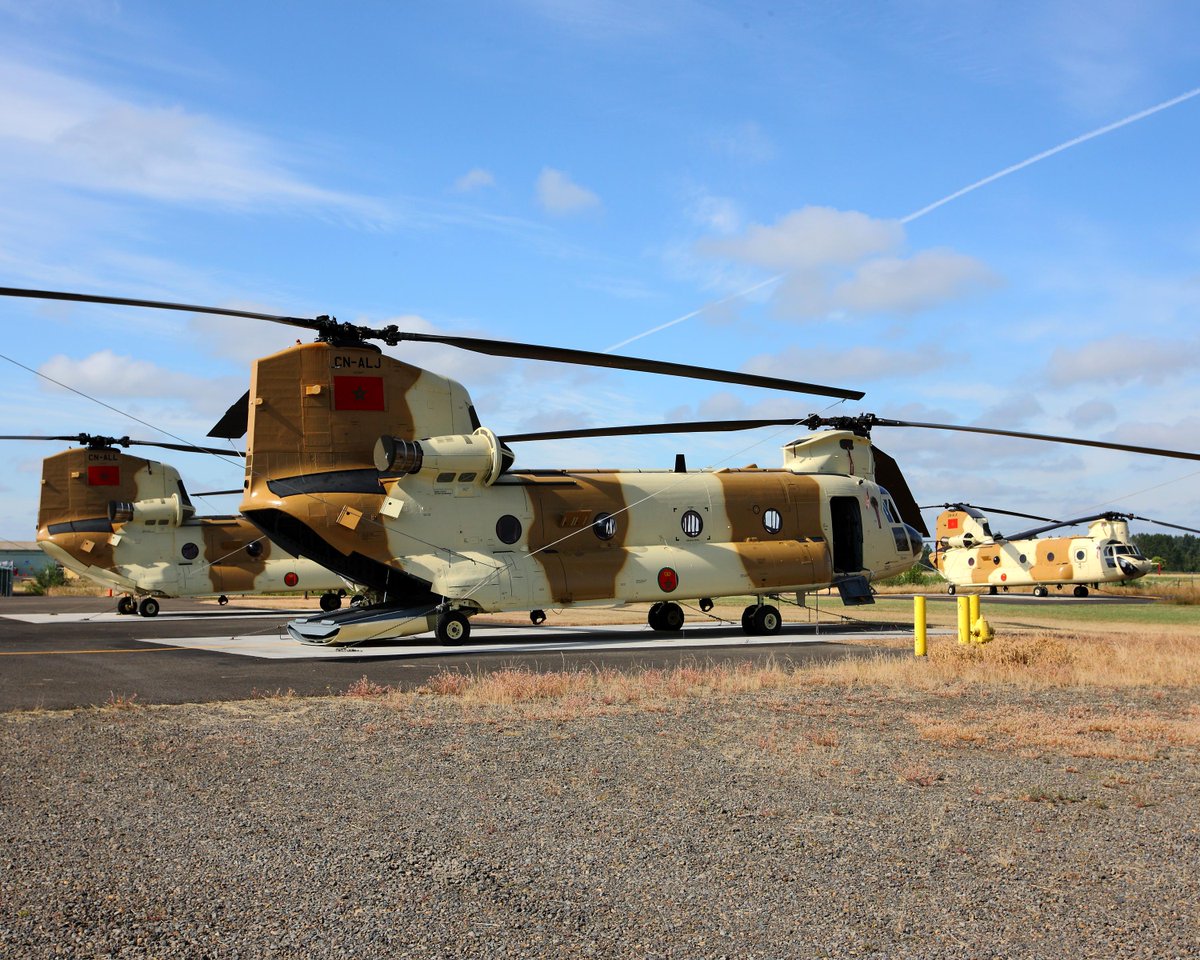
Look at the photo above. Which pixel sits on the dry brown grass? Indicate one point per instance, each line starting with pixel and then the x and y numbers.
pixel 1133 735
pixel 1015 662
pixel 1036 660
pixel 1174 588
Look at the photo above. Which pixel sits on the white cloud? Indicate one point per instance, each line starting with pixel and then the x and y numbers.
pixel 1092 412
pixel 836 263
pixel 58 129
pixel 1122 359
pixel 559 195
pixel 895 285
pixel 810 237
pixel 746 141
pixel 108 374
pixel 854 365
pixel 718 214
pixel 475 179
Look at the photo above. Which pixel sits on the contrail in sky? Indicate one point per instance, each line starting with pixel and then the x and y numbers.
pixel 1132 118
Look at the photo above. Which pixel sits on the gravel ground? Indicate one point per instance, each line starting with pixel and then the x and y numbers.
pixel 811 823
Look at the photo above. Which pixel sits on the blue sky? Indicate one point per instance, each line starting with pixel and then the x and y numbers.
pixel 581 173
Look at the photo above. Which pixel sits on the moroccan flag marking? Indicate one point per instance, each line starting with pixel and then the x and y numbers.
pixel 358 393
pixel 952 523
pixel 104 476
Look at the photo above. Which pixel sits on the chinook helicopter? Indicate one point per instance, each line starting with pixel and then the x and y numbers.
pixel 968 553
pixel 127 523
pixel 383 472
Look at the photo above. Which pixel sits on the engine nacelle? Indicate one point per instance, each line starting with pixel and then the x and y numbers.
pixel 478 457
pixel 963 540
pixel 164 510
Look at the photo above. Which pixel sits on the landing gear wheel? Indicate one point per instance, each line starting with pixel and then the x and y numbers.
pixel 767 620
pixel 706 604
pixel 148 607
pixel 1040 591
pixel 665 617
pixel 992 590
pixel 126 605
pixel 748 620
pixel 950 589
pixel 1080 591
pixel 537 617
pixel 453 628
pixel 330 601
pixel 222 600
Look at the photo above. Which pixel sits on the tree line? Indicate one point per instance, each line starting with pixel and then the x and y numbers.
pixel 1178 553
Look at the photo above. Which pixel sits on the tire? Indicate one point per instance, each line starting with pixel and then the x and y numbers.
pixel 1040 591
pixel 992 590
pixel 453 628
pixel 537 617
pixel 671 618
pixel 1080 591
pixel 148 607
pixel 126 605
pixel 951 589
pixel 222 600
pixel 654 616
pixel 767 620
pixel 330 602
pixel 748 621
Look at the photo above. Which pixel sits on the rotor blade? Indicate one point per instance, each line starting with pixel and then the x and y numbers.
pixel 218 493
pixel 588 358
pixel 236 420
pixel 1131 448
pixel 888 475
pixel 977 506
pixel 1038 531
pixel 308 323
pixel 88 440
pixel 189 448
pixel 327 327
pixel 1163 523
pixel 646 429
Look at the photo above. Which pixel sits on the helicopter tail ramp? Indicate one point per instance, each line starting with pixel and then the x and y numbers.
pixel 359 624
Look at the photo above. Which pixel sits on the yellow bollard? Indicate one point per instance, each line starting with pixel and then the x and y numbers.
pixel 964 620
pixel 974 601
pixel 918 626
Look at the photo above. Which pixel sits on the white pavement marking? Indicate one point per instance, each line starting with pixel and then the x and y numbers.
pixel 570 639
pixel 113 617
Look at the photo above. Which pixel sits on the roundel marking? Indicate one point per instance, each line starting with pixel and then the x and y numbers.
pixel 668 579
pixel 1004 576
pixel 290 578
pixel 190 551
pixel 692 523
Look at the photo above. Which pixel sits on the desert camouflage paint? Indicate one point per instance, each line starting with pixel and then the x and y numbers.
pixel 127 523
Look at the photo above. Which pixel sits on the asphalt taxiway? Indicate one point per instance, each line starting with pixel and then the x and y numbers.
pixel 67 652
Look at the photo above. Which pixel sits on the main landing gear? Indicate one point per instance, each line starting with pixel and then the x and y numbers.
pixel 330 601
pixel 665 617
pixel 761 620
pixel 146 607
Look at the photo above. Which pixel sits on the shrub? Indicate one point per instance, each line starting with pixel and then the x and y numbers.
pixel 49 576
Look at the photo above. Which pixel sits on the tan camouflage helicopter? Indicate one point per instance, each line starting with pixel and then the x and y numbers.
pixel 967 553
pixel 383 472
pixel 127 523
